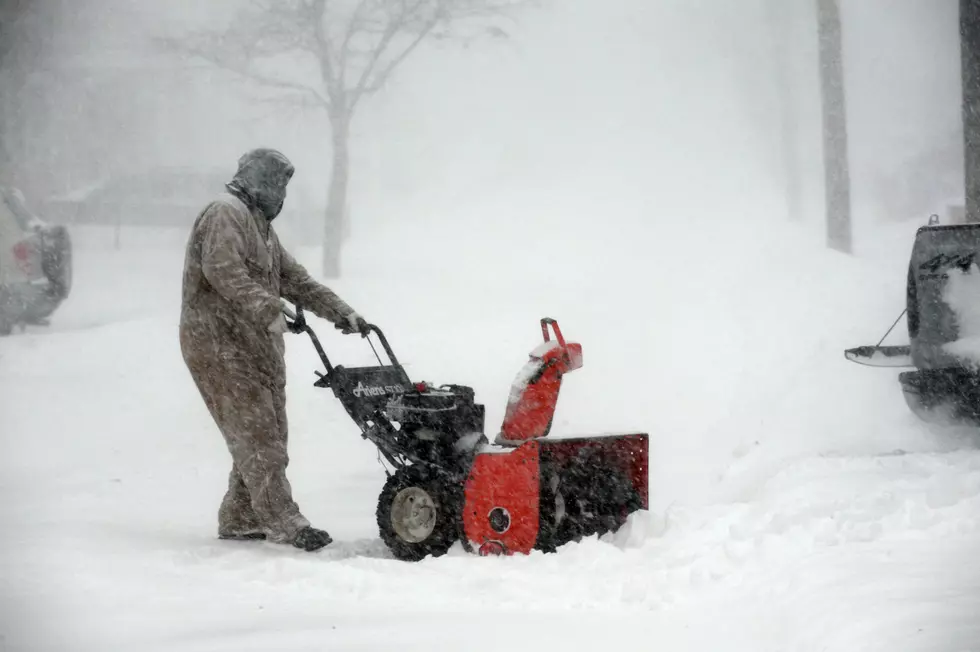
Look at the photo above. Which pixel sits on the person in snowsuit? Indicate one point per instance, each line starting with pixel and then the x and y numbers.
pixel 231 338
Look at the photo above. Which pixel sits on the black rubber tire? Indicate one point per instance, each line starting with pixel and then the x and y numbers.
pixel 447 500
pixel 943 397
pixel 57 261
pixel 6 323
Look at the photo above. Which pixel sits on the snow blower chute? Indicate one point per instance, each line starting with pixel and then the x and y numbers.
pixel 942 384
pixel 522 493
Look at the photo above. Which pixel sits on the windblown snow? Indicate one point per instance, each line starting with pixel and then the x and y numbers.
pixel 796 504
pixel 616 166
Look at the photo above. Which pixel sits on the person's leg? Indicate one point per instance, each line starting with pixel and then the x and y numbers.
pixel 236 518
pixel 252 420
pixel 307 538
pixel 249 417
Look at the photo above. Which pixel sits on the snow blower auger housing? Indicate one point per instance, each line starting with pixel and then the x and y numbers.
pixel 942 383
pixel 522 493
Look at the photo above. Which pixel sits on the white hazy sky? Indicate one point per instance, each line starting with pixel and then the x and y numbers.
pixel 633 103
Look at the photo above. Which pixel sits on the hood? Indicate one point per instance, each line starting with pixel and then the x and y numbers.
pixel 261 180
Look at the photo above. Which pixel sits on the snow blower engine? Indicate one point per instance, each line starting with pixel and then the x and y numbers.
pixel 942 384
pixel 524 492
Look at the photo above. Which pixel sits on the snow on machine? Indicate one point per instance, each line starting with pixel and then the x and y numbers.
pixel 524 492
pixel 942 314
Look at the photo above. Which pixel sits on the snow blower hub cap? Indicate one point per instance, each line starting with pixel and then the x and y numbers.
pixel 499 519
pixel 413 514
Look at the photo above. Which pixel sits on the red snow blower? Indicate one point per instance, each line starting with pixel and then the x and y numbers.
pixel 525 492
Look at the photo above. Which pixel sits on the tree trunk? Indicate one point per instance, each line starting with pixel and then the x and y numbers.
pixel 837 184
pixel 333 225
pixel 970 70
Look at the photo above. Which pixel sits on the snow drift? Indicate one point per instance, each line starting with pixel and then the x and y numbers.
pixel 613 173
pixel 795 504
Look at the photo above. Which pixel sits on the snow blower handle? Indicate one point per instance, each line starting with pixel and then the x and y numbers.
pixel 298 322
pixel 545 322
pixel 299 325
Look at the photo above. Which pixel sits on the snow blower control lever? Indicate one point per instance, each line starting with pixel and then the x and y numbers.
pixel 299 325
pixel 450 484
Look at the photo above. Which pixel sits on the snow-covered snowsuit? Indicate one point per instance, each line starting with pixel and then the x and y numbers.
pixel 234 275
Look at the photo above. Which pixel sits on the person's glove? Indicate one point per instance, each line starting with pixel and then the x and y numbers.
pixel 354 323
pixel 278 325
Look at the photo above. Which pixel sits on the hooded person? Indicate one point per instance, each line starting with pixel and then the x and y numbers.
pixel 231 338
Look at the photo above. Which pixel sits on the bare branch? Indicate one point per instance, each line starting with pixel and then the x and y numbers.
pixel 331 76
pixel 385 72
pixel 373 59
pixel 356 44
pixel 310 93
pixel 356 23
pixel 215 58
pixel 402 21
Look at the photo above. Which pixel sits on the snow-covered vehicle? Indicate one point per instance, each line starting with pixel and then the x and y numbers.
pixel 35 264
pixel 943 317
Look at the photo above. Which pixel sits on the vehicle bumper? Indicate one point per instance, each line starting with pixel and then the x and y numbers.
pixel 29 302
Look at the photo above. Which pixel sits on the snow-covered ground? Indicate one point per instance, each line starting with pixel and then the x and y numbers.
pixel 796 504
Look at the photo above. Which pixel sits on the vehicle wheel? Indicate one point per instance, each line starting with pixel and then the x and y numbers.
pixel 944 397
pixel 57 261
pixel 6 323
pixel 419 514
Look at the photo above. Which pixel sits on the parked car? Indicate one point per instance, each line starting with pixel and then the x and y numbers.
pixel 35 264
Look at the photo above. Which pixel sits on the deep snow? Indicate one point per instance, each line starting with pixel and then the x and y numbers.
pixel 796 504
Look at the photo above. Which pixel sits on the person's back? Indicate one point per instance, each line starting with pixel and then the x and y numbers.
pixel 196 290
pixel 231 288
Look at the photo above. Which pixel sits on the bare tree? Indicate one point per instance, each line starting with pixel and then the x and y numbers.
pixel 351 48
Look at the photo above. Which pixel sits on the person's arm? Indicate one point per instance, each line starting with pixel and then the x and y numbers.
pixel 223 254
pixel 299 287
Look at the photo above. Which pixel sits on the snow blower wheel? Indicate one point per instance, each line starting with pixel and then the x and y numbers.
pixel 418 514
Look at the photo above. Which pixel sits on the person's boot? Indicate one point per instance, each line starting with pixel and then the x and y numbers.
pixel 311 539
pixel 242 536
